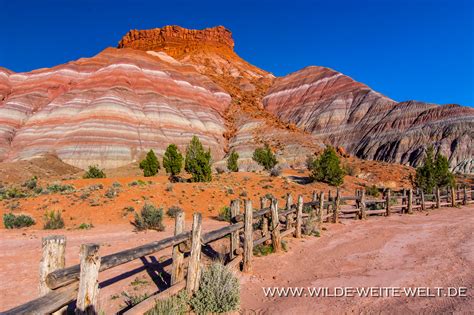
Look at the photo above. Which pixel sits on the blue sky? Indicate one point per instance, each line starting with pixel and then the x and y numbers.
pixel 406 49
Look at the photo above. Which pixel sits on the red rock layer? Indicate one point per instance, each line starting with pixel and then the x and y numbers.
pixel 109 109
pixel 176 40
pixel 347 113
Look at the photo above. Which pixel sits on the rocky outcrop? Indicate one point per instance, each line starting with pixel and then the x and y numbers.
pixel 109 109
pixel 177 41
pixel 343 112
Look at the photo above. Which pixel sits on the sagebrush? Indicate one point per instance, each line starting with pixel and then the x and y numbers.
pixel 149 218
pixel 219 291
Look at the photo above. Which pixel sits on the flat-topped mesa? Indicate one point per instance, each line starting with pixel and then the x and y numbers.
pixel 176 40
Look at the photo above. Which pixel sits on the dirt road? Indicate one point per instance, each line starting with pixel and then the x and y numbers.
pixel 421 250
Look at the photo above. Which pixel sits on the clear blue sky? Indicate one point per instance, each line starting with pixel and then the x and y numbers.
pixel 405 49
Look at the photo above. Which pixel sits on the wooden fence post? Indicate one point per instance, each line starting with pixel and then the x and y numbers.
pixel 263 203
pixel 276 239
pixel 321 208
pixel 88 280
pixel 410 201
pixel 387 202
pixel 248 237
pixel 453 197
pixel 315 196
pixel 177 269
pixel 363 215
pixel 464 195
pixel 52 258
pixel 299 217
pixel 234 237
pixel 422 196
pixel 289 216
pixel 335 216
pixel 194 265
pixel 438 198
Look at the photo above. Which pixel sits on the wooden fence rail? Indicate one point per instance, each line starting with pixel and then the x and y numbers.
pixel 60 285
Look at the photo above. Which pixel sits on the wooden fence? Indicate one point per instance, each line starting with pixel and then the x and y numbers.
pixel 60 285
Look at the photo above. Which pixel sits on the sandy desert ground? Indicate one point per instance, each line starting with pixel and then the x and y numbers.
pixel 434 249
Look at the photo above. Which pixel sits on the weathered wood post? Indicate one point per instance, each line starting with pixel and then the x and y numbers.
pixel 453 197
pixel 464 195
pixel 299 217
pixel 88 280
pixel 330 201
pixel 177 270
pixel 458 192
pixel 410 201
pixel 263 203
pixel 335 217
pixel 289 216
pixel 387 202
pixel 276 239
pixel 321 208
pixel 438 198
pixel 422 196
pixel 52 258
pixel 194 265
pixel 315 196
pixel 248 237
pixel 234 237
pixel 363 214
pixel 404 199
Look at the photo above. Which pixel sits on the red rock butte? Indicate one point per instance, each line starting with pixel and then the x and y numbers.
pixel 164 85
pixel 177 41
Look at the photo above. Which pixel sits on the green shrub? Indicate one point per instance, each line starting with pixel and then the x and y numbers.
pixel 232 164
pixel 32 183
pixel 112 192
pixel 372 191
pixel 53 220
pixel 218 292
pixel 265 157
pixel 327 168
pixel 10 221
pixel 174 305
pixel 150 164
pixel 85 226
pixel 198 161
pixel 434 172
pixel 224 214
pixel 150 218
pixel 94 172
pixel 172 160
pixel 262 250
pixel 11 193
pixel 134 299
pixel 173 210
pixel 57 187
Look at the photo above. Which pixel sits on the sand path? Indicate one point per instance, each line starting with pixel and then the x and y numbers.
pixel 434 249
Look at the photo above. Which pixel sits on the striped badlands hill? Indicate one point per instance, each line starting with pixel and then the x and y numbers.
pixel 109 109
pixel 347 113
pixel 211 52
